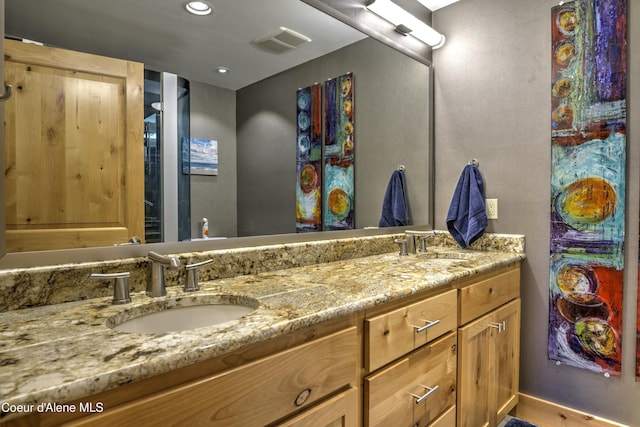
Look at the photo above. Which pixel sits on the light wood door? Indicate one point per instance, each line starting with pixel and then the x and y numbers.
pixel 3 241
pixel 488 366
pixel 74 149
pixel 507 357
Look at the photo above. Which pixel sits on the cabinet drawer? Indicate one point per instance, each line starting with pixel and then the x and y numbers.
pixel 390 394
pixel 394 334
pixel 482 297
pixel 252 395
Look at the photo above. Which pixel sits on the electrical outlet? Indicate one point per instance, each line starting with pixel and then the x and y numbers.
pixel 492 208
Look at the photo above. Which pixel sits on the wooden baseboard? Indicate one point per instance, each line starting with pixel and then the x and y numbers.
pixel 548 414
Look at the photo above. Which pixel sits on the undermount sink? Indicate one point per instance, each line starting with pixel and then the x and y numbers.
pixel 451 255
pixel 160 318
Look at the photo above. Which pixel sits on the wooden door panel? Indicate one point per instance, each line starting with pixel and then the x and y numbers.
pixel 74 159
pixel 507 347
pixel 474 373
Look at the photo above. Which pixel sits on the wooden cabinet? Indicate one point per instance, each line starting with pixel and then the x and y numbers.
pixel 407 363
pixel 411 353
pixel 488 350
pixel 256 394
pixel 414 390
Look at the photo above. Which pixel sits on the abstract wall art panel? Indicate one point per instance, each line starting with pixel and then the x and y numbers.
pixel 638 330
pixel 309 159
pixel 588 162
pixel 339 151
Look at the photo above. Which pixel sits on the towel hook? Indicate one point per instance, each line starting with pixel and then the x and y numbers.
pixel 474 162
pixel 401 168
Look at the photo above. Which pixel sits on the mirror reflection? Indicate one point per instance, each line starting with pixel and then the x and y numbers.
pixel 251 110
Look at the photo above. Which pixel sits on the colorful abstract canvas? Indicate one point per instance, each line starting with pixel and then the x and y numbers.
pixel 588 161
pixel 339 150
pixel 309 159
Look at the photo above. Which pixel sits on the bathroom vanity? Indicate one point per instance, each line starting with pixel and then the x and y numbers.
pixel 423 340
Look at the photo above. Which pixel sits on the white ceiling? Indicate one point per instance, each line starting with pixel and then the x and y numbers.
pixel 162 35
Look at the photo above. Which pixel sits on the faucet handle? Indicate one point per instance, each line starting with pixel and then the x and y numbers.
pixel 191 284
pixel 403 246
pixel 120 286
pixel 423 242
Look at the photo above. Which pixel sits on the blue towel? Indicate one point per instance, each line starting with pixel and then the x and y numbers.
pixel 467 217
pixel 394 206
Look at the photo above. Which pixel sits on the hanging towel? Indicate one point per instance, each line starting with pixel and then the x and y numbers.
pixel 467 217
pixel 394 205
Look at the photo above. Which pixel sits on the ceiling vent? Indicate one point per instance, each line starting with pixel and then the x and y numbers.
pixel 281 40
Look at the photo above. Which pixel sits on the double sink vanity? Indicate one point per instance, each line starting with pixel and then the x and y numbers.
pixel 344 332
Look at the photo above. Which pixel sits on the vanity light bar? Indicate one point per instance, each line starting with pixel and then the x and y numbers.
pixel 434 5
pixel 399 17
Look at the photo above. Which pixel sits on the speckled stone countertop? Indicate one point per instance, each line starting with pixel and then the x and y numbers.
pixel 66 351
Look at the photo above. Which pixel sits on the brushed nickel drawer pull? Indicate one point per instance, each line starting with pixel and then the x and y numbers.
pixel 8 91
pixel 502 326
pixel 428 325
pixel 430 391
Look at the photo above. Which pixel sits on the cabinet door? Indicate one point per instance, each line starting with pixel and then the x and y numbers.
pixel 474 373
pixel 338 411
pixel 74 152
pixel 507 356
pixel 488 366
pixel 415 389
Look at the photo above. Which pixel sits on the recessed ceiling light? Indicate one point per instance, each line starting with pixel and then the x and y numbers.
pixel 199 7
pixel 222 70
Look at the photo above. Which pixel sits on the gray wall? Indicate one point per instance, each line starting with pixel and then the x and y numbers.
pixel 213 116
pixel 387 134
pixel 492 102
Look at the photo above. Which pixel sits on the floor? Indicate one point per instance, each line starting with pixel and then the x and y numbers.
pixel 505 421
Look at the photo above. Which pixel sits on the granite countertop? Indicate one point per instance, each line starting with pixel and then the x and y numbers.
pixel 66 351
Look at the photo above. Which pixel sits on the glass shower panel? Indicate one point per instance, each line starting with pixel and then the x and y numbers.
pixel 184 177
pixel 152 158
pixel 160 149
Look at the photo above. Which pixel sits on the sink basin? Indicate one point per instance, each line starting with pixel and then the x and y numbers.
pixel 450 256
pixel 158 318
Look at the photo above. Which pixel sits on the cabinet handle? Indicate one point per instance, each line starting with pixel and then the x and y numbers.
pixel 430 391
pixel 502 326
pixel 8 90
pixel 429 324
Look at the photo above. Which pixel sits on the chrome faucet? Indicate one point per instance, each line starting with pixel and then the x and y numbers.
pixel 156 286
pixel 421 245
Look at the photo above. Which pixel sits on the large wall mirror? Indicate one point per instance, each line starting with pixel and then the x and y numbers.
pixel 250 111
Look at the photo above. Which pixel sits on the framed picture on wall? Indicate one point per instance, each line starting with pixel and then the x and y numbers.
pixel 199 156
